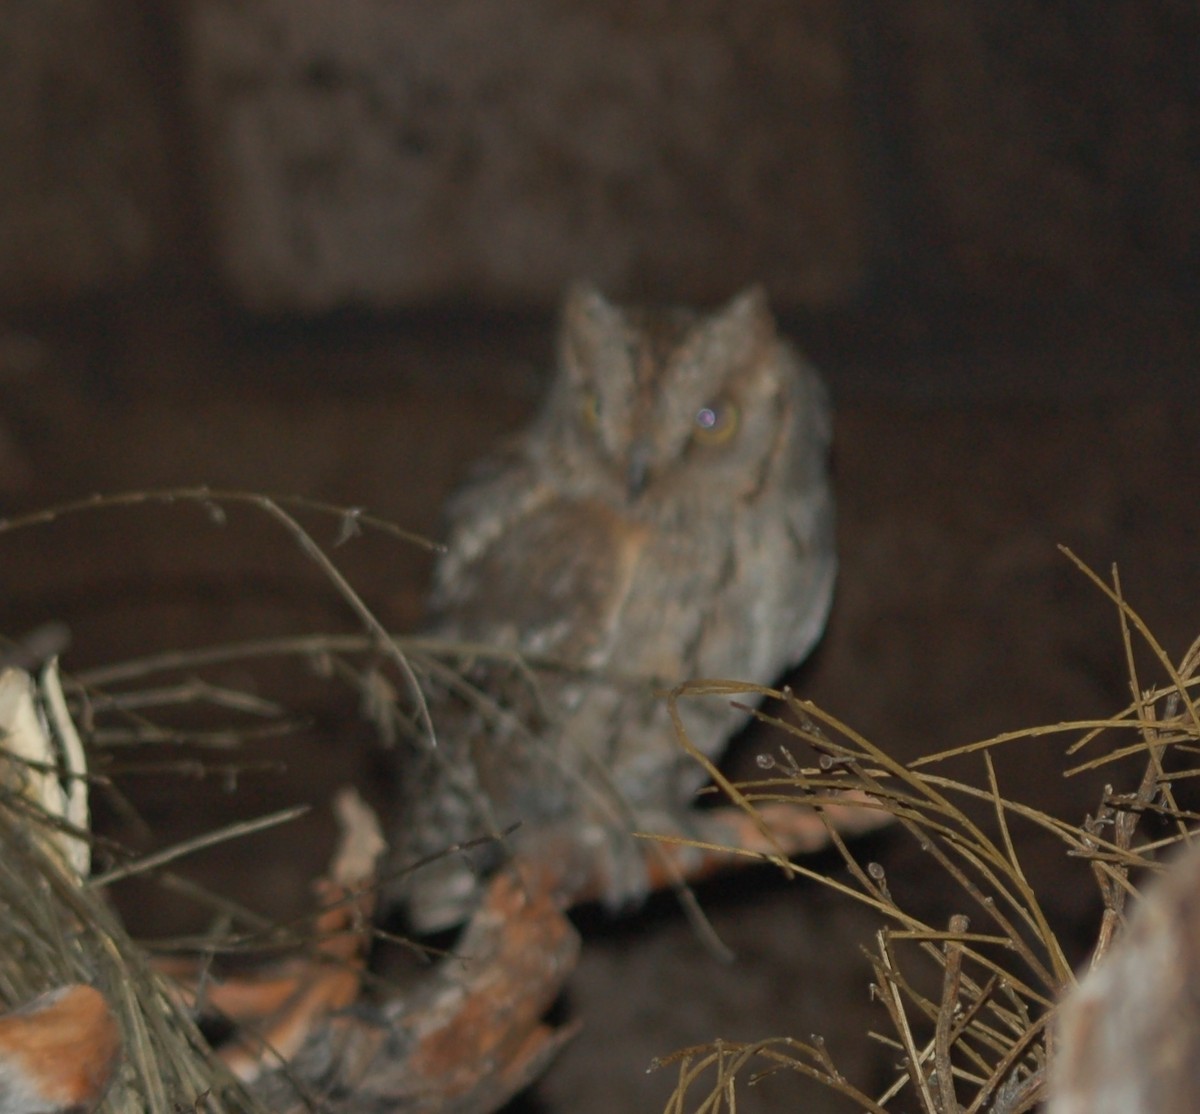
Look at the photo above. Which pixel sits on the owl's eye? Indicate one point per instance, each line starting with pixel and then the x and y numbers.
pixel 589 409
pixel 715 423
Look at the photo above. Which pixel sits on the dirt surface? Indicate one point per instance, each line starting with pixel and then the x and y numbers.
pixel 960 467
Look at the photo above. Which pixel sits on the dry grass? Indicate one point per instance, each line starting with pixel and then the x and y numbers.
pixel 978 1040
pixel 55 929
pixel 165 714
pixel 982 1040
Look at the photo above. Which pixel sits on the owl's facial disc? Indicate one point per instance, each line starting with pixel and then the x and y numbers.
pixel 655 394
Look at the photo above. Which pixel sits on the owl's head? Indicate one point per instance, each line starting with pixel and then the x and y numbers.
pixel 652 402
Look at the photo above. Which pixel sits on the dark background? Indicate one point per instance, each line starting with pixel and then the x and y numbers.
pixel 317 249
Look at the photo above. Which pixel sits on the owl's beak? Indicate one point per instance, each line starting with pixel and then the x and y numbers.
pixel 637 470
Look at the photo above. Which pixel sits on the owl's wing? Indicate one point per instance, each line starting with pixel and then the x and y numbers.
pixel 809 596
pixel 538 572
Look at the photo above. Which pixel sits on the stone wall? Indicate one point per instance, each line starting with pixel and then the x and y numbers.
pixel 312 154
pixel 1051 148
pixel 387 153
pixel 83 187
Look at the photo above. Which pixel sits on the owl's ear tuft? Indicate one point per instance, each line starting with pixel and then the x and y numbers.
pixel 589 324
pixel 744 325
pixel 748 310
pixel 584 300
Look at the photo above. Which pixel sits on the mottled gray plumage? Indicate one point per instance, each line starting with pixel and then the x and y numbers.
pixel 666 517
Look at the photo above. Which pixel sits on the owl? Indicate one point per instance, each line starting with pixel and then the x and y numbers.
pixel 667 516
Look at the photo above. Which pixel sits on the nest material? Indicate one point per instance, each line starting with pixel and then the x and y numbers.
pixel 315 1033
pixel 58 931
pixel 303 1028
pixel 303 1034
pixel 985 1040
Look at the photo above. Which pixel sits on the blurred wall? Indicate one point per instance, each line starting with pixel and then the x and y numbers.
pixel 312 154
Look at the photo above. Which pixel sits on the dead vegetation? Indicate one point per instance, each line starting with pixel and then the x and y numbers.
pixel 984 1038
pixel 970 1004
